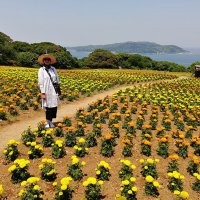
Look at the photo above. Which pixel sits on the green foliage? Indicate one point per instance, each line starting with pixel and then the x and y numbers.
pixel 21 46
pixel 28 136
pixel 26 59
pixel 151 190
pixel 101 59
pixel 4 39
pixel 93 191
pixel 75 171
pixel 107 149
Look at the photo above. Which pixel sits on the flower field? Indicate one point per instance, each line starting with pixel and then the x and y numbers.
pixel 19 86
pixel 140 143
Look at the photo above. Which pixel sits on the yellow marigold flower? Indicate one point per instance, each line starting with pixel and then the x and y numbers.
pixel 1 189
pixel 100 182
pixel 92 180
pixel 130 192
pixel 12 168
pixel 156 184
pixel 54 183
pixel 134 189
pixel 63 187
pixel 98 172
pixel 75 160
pixel 81 140
pixel 170 174
pixel 184 194
pixel 85 183
pixel 176 192
pixel 65 180
pixel 33 179
pixel 182 177
pixel 127 162
pixel 149 179
pixel 133 167
pixel 33 144
pixel 60 193
pixel 150 160
pixel 23 183
pixel 83 163
pixel 12 142
pixel 195 174
pixel 20 193
pixel 141 161
pixel 125 182
pixel 198 177
pixel 132 179
pixel 29 152
pixel 145 167
pixel 176 174
pixel 157 160
pixel 36 187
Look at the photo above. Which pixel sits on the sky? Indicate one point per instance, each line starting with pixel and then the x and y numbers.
pixel 93 22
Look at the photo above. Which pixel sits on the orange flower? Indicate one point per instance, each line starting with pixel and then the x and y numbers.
pixel 174 157
pixel 163 139
pixel 108 136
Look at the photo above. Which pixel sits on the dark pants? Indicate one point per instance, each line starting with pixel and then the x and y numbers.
pixel 51 113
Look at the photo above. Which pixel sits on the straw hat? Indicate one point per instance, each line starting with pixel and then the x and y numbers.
pixel 47 55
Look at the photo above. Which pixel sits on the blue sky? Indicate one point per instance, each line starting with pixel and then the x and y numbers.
pixel 84 22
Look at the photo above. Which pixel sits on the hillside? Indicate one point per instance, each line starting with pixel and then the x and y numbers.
pixel 132 47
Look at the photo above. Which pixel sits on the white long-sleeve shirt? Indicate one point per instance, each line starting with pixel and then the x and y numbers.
pixel 46 86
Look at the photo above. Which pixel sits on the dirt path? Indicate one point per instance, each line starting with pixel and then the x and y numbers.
pixel 14 130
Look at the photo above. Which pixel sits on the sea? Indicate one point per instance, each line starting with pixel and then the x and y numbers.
pixel 185 59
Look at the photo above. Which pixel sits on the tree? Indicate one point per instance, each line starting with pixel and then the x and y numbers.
pixel 27 59
pixel 4 39
pixel 7 53
pixel 101 59
pixel 65 60
pixel 21 46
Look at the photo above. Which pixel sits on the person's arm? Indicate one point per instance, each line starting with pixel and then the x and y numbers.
pixel 41 82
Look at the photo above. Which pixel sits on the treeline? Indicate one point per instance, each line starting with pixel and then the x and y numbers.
pixel 25 54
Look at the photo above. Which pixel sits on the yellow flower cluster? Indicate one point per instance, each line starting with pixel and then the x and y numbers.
pixel 176 175
pixel 13 142
pixel 197 176
pixel 75 160
pixel 30 181
pixel 59 143
pixel 22 163
pixel 182 194
pixel 149 161
pixel 104 164
pixel 93 181
pixel 128 163
pixel 81 140
pixel 149 179
pixel 64 184
pixel 47 161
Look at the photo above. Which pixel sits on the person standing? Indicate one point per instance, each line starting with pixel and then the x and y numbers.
pixel 47 80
